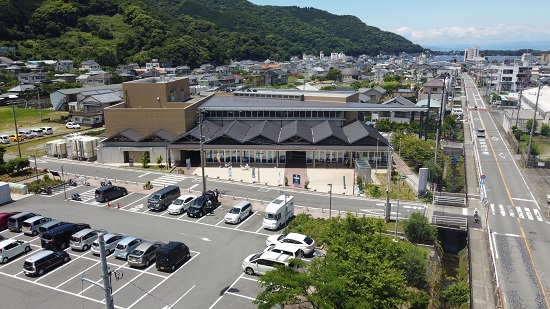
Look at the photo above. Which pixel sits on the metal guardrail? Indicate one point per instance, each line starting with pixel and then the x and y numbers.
pixel 457 222
pixel 451 200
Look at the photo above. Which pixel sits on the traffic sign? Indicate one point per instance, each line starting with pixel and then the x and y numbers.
pixel 483 176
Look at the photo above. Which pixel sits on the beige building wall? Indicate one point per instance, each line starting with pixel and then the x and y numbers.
pixel 155 92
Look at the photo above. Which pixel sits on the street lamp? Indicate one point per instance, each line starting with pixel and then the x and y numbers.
pixel 542 81
pixel 388 180
pixel 202 152
pixel 15 123
pixel 376 161
pixel 330 201
pixel 35 166
pixel 397 211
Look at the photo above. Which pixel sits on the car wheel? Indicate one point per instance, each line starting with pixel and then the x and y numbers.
pixel 173 268
pixel 85 248
pixel 239 220
pixel 34 233
pixel 147 263
pixel 5 260
pixel 249 271
pixel 63 246
pixel 124 193
pixel 27 249
pixel 65 259
pixel 188 255
pixel 41 271
pixel 300 254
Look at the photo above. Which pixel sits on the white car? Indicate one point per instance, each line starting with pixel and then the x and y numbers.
pixel 305 243
pixel 4 139
pixel 11 248
pixel 480 132
pixel 181 204
pixel 260 263
pixel 27 134
pixel 47 130
pixel 285 249
pixel 72 125
pixel 37 132
pixel 238 213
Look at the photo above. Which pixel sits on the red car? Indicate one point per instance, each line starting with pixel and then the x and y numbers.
pixel 4 219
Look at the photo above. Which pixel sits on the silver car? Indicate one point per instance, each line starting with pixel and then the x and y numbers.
pixel 84 239
pixel 11 248
pixel 111 240
pixel 144 254
pixel 126 246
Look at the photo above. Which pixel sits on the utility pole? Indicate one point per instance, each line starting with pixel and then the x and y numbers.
pixel 105 274
pixel 16 130
pixel 202 153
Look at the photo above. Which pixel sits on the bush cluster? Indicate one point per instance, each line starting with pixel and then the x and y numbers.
pixel 45 182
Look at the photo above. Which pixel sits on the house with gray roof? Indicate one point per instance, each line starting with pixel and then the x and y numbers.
pixel 405 115
pixel 371 95
pixel 89 105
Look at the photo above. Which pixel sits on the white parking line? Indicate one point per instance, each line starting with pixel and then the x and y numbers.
pixel 79 274
pixel 59 267
pixel 55 289
pixel 156 286
pixel 222 220
pixel 229 288
pixel 134 202
pixel 172 305
pixel 247 297
pixel 253 213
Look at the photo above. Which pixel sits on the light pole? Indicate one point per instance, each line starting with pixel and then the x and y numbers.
pixel 202 153
pixel 258 153
pixel 15 123
pixel 35 166
pixel 39 105
pixel 397 211
pixel 376 162
pixel 542 81
pixel 63 179
pixel 330 201
pixel 388 179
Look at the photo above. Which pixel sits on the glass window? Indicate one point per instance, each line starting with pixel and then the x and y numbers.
pixel 309 157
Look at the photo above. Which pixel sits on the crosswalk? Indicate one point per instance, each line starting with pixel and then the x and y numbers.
pixel 513 211
pixel 167 180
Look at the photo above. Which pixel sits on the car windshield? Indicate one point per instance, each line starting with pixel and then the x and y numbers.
pixel 308 240
pixel 270 216
pixel 235 211
pixel 137 252
pixel 255 257
pixel 178 202
pixel 155 197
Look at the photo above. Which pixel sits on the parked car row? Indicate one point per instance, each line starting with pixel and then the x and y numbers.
pixel 280 250
pixel 25 134
pixel 56 236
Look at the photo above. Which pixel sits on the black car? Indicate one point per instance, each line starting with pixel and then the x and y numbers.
pixel 202 205
pixel 171 255
pixel 59 237
pixel 38 264
pixel 109 193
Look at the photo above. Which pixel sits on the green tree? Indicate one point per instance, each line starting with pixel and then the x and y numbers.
pixel 334 74
pixel 159 161
pixel 529 124
pixel 2 152
pixel 419 230
pixel 545 130
pixel 145 159
pixel 457 295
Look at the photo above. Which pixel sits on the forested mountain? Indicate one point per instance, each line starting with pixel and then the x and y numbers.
pixel 187 31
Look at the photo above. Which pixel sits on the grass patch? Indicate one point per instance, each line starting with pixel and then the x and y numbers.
pixel 26 117
pixel 406 193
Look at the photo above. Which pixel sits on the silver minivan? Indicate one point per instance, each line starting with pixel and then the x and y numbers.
pixel 84 239
pixel 111 240
pixel 30 226
pixel 49 225
pixel 144 254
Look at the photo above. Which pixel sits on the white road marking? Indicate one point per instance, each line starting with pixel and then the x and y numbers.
pixel 523 199
pixel 229 288
pixel 520 213
pixel 193 187
pixel 537 214
pixel 250 216
pixel 239 295
pixel 144 174
pixel 494 247
pixel 79 274
pixel 502 211
pixel 464 211
pixel 172 305
pixel 134 202
pixel 493 209
pixel 528 213
pixel 511 211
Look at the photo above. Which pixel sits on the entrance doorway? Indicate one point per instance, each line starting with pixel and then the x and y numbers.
pixel 295 159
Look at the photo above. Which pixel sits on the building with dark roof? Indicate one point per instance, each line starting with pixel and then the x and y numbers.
pixel 271 127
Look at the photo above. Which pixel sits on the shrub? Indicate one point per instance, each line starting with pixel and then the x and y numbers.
pixel 457 295
pixel 419 230
pixel 145 159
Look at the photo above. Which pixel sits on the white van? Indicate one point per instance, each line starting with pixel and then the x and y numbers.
pixel 279 211
pixel 457 111
pixel 4 139
pixel 47 130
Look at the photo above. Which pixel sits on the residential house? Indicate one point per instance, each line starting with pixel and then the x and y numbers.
pixel 238 79
pixel 434 86
pixel 398 116
pixel 89 65
pixel 89 105
pixel 255 79
pixel 209 81
pixel 64 65
pixel 349 75
pixel 65 77
pixel 153 65
pixel 371 95
pixel 61 98
pixel 227 80
pixel 32 78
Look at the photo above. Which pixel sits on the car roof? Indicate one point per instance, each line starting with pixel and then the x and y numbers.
pixel 184 197
pixel 32 219
pixel 145 245
pixel 39 255
pixel 285 246
pixel 51 222
pixel 171 245
pixel 296 236
pixel 128 239
pixel 84 231
pixel 275 256
pixel 7 242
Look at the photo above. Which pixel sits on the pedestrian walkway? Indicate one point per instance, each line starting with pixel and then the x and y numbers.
pixel 167 180
pixel 508 210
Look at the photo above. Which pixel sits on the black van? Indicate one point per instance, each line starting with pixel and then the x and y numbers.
pixel 109 193
pixel 171 255
pixel 161 199
pixel 43 261
pixel 59 237
pixel 16 222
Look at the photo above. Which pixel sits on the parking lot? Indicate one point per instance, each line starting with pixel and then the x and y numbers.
pixel 212 278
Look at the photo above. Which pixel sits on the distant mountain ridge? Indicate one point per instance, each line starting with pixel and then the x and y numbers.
pixel 188 32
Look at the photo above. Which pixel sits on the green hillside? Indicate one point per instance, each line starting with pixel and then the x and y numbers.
pixel 189 32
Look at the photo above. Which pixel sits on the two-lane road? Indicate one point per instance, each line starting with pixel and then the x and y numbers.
pixel 519 230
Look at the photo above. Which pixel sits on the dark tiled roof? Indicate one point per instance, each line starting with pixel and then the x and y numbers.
pixel 165 135
pixel 266 129
pixel 296 129
pixel 326 129
pixel 399 100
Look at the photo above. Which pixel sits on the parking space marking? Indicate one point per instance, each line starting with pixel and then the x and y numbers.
pixel 243 296
pixel 251 279
pixel 59 267
pixel 130 281
pixel 57 290
pixel 224 292
pixel 132 203
pixel 250 216
pixel 156 286
pixel 172 305
pixel 79 274
pixel 222 220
